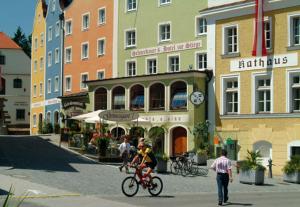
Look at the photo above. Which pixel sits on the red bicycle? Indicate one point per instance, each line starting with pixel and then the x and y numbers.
pixel 130 185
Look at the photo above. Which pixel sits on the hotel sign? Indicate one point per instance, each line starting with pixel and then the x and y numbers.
pixel 118 115
pixel 167 118
pixel 276 61
pixel 166 48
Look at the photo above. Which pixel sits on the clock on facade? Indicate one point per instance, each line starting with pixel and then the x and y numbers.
pixel 197 97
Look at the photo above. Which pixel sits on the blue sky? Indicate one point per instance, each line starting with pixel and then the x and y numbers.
pixel 14 13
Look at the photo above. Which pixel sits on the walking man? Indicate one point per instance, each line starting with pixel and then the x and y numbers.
pixel 222 166
pixel 124 152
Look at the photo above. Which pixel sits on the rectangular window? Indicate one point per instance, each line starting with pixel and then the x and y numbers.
pixel 296 93
pixel 68 54
pixel 57 29
pixel 231 96
pixel 131 5
pixel 34 120
pixel 201 26
pixel 163 2
pixel 131 68
pixel 42 39
pixel 56 83
pixel 85 51
pixel 85 21
pixel 35 66
pixel 295 30
pixel 174 64
pixel 101 16
pixel 231 40
pixel 130 38
pixel 20 114
pixel 49 33
pixel 56 55
pixel 68 84
pixel 34 90
pixel 41 89
pixel 49 59
pixel 164 32
pixel 101 47
pixel 49 86
pixel 263 95
pixel 68 27
pixel 35 44
pixel 84 77
pixel 41 63
pixel 201 61
pixel 53 6
pixel 100 75
pixel 151 66
pixel 268 34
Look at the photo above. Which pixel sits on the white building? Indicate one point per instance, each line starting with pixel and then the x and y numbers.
pixel 15 90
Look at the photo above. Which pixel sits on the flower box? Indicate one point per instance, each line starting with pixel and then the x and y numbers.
pixel 252 176
pixel 292 177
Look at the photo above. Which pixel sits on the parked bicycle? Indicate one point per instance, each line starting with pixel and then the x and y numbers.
pixel 130 185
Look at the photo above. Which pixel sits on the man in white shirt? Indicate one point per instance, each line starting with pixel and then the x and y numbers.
pixel 124 152
pixel 222 166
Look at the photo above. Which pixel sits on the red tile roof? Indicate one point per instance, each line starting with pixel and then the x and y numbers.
pixel 7 43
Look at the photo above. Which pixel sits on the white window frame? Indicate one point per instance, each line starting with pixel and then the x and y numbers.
pixel 56 55
pixel 42 62
pixel 70 25
pixel 254 96
pixel 159 31
pixel 49 59
pixel 50 33
pixel 291 28
pixel 35 64
pixel 100 71
pixel 167 2
pixel 269 19
pixel 126 32
pixel 42 39
pixel 168 62
pixel 197 59
pixel 81 83
pixel 100 22
pixel 41 87
pixel 83 28
pixel 66 60
pixel 34 120
pixel 197 32
pixel 49 85
pixel 35 43
pixel 68 77
pixel 34 91
pixel 56 84
pixel 289 94
pixel 127 68
pixel 88 48
pixel 224 39
pixel 147 65
pixel 131 9
pixel 223 80
pixel 104 46
pixel 53 6
pixel 57 28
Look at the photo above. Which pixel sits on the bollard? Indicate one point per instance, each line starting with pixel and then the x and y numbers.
pixel 270 168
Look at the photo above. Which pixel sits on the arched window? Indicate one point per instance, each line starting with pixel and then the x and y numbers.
pixel 100 99
pixel 17 83
pixel 178 96
pixel 137 98
pixel 157 97
pixel 118 98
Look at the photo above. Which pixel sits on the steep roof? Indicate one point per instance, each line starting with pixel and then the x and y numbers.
pixel 7 43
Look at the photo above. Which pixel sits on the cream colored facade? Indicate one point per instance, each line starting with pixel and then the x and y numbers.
pixel 256 105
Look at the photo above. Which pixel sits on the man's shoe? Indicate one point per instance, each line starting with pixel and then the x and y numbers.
pixel 120 168
pixel 220 203
pixel 225 200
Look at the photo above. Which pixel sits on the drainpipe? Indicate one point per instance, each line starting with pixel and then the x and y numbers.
pixel 209 76
pixel 62 45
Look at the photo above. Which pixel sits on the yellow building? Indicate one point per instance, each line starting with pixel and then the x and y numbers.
pixel 38 66
pixel 257 98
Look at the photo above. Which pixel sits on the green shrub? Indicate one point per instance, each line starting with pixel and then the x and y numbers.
pixel 293 165
pixel 161 156
pixel 56 128
pixel 47 128
pixel 251 162
pixel 9 199
pixel 103 143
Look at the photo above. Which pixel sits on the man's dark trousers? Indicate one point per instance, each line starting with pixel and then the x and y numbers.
pixel 222 181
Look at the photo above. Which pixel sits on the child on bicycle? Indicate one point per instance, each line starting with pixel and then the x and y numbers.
pixel 147 158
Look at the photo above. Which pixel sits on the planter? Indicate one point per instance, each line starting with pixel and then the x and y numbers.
pixel 200 159
pixel 162 166
pixel 252 177
pixel 292 177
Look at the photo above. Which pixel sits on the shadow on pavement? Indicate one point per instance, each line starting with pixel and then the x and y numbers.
pixel 35 153
pixel 237 204
pixel 3 192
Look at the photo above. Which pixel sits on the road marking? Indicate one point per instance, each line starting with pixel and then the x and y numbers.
pixel 46 196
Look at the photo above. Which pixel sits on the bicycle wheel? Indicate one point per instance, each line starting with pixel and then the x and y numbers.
pixel 175 168
pixel 130 186
pixel 156 186
pixel 184 170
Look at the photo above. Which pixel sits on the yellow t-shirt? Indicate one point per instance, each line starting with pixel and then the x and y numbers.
pixel 146 153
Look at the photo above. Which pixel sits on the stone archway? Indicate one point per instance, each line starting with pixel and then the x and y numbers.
pixel 179 140
pixel 117 132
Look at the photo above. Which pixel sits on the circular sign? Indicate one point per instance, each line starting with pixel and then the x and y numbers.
pixel 197 97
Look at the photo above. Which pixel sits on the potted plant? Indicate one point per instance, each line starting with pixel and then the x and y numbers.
pixel 291 170
pixel 162 162
pixel 200 132
pixel 251 170
pixel 103 143
pixel 200 156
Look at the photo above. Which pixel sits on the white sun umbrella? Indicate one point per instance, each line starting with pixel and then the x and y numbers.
pixel 87 115
pixel 96 119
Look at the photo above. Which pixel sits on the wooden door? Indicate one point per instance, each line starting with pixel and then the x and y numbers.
pixel 179 141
